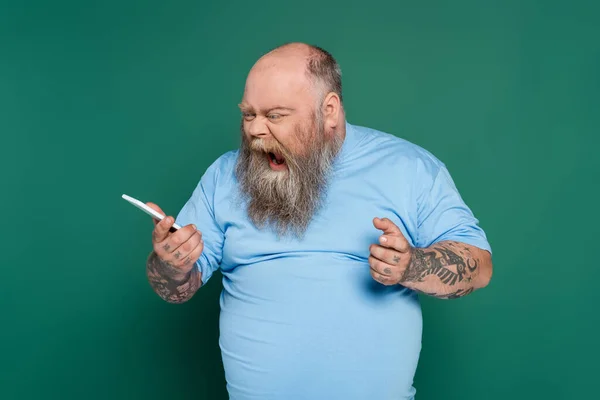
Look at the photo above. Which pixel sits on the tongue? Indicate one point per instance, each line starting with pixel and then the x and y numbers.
pixel 278 158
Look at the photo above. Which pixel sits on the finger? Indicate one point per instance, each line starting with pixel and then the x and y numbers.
pixel 387 226
pixel 191 257
pixel 184 254
pixel 388 256
pixel 161 229
pixel 155 208
pixel 384 280
pixel 178 239
pixel 382 277
pixel 398 243
pixel 382 268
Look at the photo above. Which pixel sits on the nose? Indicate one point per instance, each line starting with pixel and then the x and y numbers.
pixel 258 128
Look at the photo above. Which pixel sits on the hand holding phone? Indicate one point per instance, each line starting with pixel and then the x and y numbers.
pixel 179 247
pixel 157 214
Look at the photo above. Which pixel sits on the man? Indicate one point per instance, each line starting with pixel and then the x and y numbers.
pixel 325 233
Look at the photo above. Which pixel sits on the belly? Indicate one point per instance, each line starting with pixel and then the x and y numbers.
pixel 317 326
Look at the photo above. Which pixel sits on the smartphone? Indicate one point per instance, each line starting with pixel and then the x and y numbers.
pixel 149 211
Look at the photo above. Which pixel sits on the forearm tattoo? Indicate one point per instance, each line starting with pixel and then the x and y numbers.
pixel 173 290
pixel 452 264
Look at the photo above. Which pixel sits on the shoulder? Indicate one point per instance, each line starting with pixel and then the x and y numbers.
pixel 222 170
pixel 400 154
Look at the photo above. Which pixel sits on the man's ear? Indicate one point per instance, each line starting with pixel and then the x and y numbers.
pixel 332 108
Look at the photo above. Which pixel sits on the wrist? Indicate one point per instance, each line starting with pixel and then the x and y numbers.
pixel 170 271
pixel 412 251
pixel 180 274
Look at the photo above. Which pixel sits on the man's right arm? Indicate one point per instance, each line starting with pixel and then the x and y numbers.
pixel 168 281
pixel 171 266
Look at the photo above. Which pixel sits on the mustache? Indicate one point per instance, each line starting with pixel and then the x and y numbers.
pixel 258 144
pixel 273 146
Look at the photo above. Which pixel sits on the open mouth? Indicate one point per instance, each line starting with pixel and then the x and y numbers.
pixel 276 159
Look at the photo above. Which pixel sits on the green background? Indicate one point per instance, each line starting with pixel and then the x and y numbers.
pixel 101 98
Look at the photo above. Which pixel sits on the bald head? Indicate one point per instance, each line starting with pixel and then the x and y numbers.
pixel 314 65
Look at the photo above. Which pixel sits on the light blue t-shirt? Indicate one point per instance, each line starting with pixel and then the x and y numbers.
pixel 305 319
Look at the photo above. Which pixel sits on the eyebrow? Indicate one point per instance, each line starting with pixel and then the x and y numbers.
pixel 245 107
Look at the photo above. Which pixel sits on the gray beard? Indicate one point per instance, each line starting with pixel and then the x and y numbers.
pixel 286 201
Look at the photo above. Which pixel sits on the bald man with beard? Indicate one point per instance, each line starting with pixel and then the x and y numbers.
pixel 325 233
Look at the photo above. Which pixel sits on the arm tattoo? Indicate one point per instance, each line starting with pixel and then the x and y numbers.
pixel 451 265
pixel 454 295
pixel 173 290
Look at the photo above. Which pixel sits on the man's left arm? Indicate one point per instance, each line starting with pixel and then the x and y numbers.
pixel 447 269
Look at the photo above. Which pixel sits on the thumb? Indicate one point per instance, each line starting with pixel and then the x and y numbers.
pixel 155 208
pixel 387 226
pixel 392 235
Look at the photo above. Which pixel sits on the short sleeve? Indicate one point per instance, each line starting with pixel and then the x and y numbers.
pixel 443 215
pixel 199 210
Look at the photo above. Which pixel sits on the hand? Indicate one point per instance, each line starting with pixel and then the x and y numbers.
pixel 389 260
pixel 180 249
